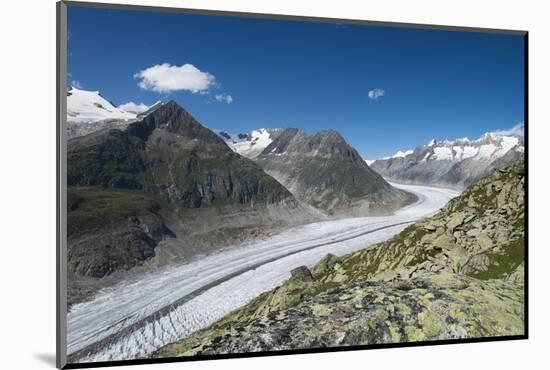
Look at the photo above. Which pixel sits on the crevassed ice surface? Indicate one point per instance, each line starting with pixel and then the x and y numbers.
pixel 232 278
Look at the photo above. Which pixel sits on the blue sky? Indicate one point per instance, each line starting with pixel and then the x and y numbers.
pixel 313 76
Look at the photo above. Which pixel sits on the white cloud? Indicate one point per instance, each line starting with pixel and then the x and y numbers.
pixel 133 107
pixel 165 78
pixel 76 84
pixel 518 130
pixel 374 94
pixel 224 98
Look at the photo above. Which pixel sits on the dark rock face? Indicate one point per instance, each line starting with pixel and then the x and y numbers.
pixel 173 119
pixel 125 245
pixel 224 134
pixel 170 153
pixel 109 159
pixel 111 230
pixel 324 171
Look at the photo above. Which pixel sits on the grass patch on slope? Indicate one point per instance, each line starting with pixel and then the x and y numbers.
pixel 503 264
pixel 91 208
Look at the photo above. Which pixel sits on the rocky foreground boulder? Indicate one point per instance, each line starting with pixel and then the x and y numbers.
pixel 458 274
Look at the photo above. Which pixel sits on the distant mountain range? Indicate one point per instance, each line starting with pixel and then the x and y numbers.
pixel 456 163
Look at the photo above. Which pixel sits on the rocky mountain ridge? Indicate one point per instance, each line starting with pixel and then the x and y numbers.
pixel 312 167
pixel 324 171
pixel 164 142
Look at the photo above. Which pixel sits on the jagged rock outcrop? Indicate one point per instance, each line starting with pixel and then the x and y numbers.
pixel 458 274
pixel 325 172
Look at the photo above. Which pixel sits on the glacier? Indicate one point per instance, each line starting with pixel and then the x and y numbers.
pixel 133 319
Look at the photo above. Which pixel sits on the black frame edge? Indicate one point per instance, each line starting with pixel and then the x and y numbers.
pixel 289 17
pixel 61 252
pixel 526 159
pixel 151 361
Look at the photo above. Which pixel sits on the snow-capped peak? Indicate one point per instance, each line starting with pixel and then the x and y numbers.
pixel 488 147
pixel 89 106
pixel 400 154
pixel 88 111
pixel 517 130
pixel 249 144
pixel 463 139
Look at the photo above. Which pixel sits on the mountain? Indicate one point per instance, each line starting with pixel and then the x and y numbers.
pixel 164 179
pixel 168 152
pixel 88 111
pixel 250 144
pixel 457 163
pixel 459 274
pixel 325 172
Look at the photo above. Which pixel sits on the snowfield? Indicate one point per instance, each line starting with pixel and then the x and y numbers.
pixel 133 319
pixel 89 106
pixel 250 144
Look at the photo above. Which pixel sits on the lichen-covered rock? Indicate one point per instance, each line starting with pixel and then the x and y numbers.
pixel 456 220
pixel 325 264
pixel 301 274
pixel 432 307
